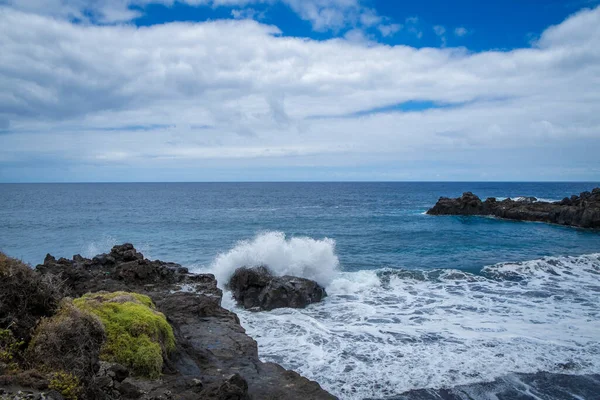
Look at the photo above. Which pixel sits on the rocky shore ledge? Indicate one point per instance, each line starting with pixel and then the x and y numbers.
pixel 120 326
pixel 580 211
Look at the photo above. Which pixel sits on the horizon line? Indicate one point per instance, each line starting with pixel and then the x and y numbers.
pixel 307 181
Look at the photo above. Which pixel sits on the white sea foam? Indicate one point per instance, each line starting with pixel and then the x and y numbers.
pixel 106 243
pixel 99 246
pixel 380 333
pixel 520 198
pixel 298 256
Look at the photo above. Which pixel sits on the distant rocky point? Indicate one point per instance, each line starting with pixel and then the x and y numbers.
pixel 580 211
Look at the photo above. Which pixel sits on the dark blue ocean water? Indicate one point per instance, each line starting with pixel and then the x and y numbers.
pixel 374 225
pixel 414 301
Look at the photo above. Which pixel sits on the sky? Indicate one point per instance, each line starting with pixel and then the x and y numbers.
pixel 299 90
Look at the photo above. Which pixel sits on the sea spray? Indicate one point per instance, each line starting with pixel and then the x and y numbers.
pixel 298 256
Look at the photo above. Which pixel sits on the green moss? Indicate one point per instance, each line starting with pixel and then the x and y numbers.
pixel 137 335
pixel 66 384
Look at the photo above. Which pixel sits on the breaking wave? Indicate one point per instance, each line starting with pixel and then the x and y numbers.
pixel 299 256
pixel 383 332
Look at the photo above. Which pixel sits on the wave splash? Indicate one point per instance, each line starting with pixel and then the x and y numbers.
pixel 383 332
pixel 299 256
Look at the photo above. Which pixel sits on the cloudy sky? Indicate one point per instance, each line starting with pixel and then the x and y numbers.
pixel 286 90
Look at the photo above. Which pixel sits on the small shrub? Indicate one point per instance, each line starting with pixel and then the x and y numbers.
pixel 10 350
pixel 66 384
pixel 25 296
pixel 69 341
pixel 137 335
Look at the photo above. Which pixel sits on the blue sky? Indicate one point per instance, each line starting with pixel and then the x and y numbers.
pixel 481 25
pixel 253 90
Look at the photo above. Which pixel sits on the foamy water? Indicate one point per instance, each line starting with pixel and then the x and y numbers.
pixel 383 332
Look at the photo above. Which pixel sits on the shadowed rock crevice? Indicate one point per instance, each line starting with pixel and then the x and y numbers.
pixel 580 211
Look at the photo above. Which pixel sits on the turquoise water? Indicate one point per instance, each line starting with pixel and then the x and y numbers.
pixel 374 225
pixel 415 301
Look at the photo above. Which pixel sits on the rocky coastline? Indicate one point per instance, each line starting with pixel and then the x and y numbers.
pixel 213 358
pixel 581 211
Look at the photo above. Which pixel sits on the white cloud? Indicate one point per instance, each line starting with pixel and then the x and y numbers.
pixel 460 31
pixel 389 30
pixel 440 31
pixel 412 24
pixel 324 15
pixel 248 13
pixel 234 94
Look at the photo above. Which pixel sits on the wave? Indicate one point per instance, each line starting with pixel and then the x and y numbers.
pixel 384 332
pixel 299 256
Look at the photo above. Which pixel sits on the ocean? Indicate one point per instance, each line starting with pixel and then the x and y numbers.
pixel 415 301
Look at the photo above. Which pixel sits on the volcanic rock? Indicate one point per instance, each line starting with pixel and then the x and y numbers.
pixel 579 211
pixel 257 288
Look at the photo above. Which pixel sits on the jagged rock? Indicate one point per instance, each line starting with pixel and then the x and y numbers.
pixel 128 390
pixel 580 211
pixel 123 268
pixel 233 387
pixel 257 288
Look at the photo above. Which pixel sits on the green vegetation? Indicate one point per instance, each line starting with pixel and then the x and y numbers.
pixel 137 335
pixel 10 350
pixel 66 384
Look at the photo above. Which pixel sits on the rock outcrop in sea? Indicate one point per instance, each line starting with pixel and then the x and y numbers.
pixel 580 211
pixel 257 289
pixel 212 357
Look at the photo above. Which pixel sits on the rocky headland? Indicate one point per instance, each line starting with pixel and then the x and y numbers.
pixel 579 211
pixel 120 326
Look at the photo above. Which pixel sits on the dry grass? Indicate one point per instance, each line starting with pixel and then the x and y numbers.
pixel 69 341
pixel 25 296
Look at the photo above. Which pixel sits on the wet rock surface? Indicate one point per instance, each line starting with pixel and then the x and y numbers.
pixel 580 211
pixel 214 358
pixel 28 394
pixel 256 288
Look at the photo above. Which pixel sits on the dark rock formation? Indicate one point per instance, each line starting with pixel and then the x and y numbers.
pixel 122 269
pixel 580 211
pixel 214 358
pixel 257 288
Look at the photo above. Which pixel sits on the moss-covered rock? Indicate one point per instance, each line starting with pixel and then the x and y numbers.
pixel 137 335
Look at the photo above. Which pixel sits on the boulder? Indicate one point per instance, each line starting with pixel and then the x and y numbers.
pixel 467 204
pixel 256 288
